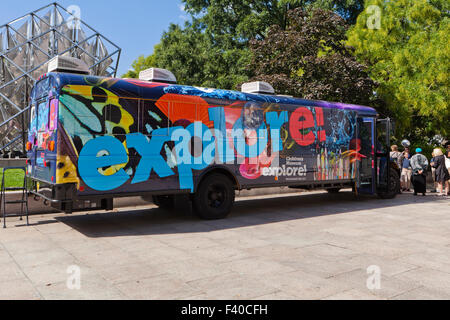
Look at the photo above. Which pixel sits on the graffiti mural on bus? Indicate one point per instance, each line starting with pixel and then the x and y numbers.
pixel 108 142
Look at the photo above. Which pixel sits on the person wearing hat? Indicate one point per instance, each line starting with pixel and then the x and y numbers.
pixel 419 165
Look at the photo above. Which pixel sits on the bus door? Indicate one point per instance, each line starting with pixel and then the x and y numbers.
pixel 382 154
pixel 365 173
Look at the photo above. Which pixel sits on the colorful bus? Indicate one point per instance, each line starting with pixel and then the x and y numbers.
pixel 92 139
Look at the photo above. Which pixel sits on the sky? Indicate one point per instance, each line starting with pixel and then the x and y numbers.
pixel 133 25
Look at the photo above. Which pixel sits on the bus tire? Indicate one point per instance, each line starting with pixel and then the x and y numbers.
pixel 333 190
pixel 214 198
pixel 394 186
pixel 164 201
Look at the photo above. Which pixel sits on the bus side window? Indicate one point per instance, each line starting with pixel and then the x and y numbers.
pixel 151 118
pixel 81 116
pixel 283 133
pixel 53 115
pixel 43 116
pixel 119 121
pixel 183 113
pixel 253 119
pixel 33 119
pixel 32 132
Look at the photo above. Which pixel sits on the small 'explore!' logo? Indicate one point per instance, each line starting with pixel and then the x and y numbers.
pixel 284 171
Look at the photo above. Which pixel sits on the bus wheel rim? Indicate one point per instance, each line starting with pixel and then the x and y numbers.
pixel 216 195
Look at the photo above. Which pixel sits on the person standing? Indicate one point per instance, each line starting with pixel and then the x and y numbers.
pixel 405 178
pixel 447 147
pixel 433 174
pixel 442 174
pixel 419 165
pixel 395 154
pixel 447 165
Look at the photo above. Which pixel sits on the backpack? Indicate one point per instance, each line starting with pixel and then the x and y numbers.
pixel 447 163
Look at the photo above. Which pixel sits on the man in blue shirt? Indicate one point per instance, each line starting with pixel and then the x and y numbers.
pixel 405 178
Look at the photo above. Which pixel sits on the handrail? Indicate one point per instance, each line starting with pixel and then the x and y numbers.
pixel 19 137
pixel 14 116
pixel 10 143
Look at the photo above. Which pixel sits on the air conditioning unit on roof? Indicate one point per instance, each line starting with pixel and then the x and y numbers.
pixel 157 75
pixel 257 87
pixel 68 65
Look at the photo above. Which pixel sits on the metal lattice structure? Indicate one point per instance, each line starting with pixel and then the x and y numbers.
pixel 26 46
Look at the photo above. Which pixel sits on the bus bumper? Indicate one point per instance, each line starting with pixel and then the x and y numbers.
pixel 63 198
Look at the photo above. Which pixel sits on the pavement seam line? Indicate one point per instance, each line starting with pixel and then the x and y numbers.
pixel 21 270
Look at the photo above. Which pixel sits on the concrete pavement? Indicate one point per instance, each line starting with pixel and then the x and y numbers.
pixel 292 246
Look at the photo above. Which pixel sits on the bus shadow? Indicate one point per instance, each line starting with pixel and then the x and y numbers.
pixel 246 212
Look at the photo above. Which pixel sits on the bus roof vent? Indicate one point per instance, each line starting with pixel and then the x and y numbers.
pixel 257 87
pixel 157 74
pixel 68 64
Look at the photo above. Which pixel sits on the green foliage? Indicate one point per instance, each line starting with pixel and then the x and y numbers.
pixel 194 60
pixel 409 58
pixel 309 59
pixel 13 178
pixel 212 51
pixel 347 9
pixel 141 63
pixel 241 20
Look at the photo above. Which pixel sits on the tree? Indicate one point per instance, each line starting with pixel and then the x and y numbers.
pixel 241 20
pixel 195 61
pixel 213 50
pixel 405 42
pixel 347 9
pixel 141 63
pixel 309 59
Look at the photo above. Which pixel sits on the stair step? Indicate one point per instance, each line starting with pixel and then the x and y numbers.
pixel 16 201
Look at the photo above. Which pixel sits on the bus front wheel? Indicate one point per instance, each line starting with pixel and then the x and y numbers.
pixel 214 197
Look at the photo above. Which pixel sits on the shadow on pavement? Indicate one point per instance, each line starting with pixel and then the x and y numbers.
pixel 246 212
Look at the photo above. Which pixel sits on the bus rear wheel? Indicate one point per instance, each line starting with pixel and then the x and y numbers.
pixel 214 198
pixel 164 202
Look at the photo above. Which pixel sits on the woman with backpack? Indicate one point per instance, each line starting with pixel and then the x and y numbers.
pixel 442 175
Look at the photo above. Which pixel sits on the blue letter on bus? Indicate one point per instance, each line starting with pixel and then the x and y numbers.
pixel 89 163
pixel 150 151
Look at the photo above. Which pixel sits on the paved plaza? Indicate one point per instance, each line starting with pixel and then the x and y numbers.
pixel 291 246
